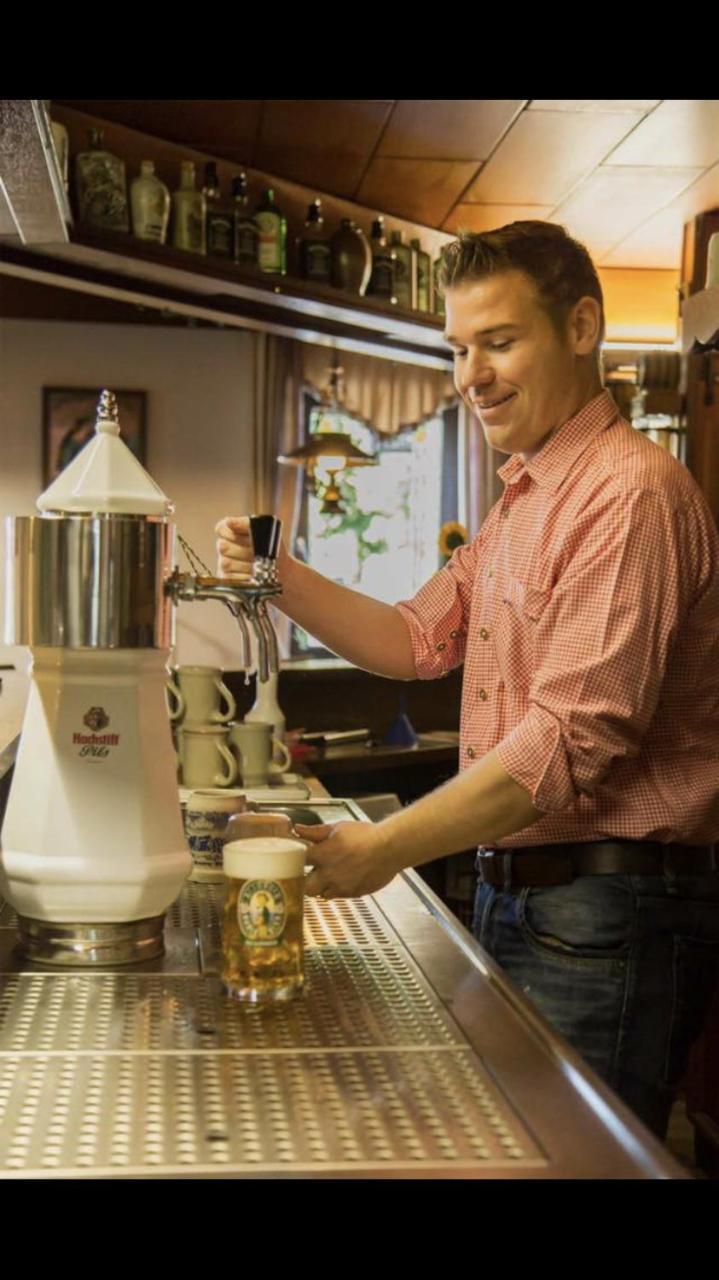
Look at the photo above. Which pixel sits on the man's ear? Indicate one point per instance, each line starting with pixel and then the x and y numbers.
pixel 585 326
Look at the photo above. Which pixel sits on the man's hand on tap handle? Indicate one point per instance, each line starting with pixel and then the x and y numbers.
pixel 235 552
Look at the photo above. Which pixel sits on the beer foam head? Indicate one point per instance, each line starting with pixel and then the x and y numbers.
pixel 264 858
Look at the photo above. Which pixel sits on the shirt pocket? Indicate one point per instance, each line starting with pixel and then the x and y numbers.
pixel 519 610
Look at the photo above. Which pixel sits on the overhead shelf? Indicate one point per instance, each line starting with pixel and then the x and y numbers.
pixel 159 276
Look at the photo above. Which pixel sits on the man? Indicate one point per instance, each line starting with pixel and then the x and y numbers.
pixel 586 613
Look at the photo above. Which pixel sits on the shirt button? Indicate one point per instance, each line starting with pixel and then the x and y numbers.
pixel 453 635
pixel 483 695
pixel 471 752
pixel 441 646
pixel 484 633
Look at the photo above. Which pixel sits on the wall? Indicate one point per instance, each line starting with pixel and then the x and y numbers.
pixel 199 415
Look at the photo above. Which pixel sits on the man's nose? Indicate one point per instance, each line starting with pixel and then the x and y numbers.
pixel 478 372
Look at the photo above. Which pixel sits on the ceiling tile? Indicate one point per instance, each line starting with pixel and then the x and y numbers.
pixel 423 190
pixel 594 104
pixel 486 217
pixel 612 202
pixel 658 241
pixel 320 144
pixel 545 153
pixel 679 132
pixel 219 127
pixel 439 129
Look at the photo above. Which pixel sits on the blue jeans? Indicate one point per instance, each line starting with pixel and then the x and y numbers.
pixel 623 966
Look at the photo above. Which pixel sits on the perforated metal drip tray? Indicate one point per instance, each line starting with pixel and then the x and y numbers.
pixel 153 1071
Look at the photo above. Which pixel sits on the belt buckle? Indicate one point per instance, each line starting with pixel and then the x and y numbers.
pixel 492 867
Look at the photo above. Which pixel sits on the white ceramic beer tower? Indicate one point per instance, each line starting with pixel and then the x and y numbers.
pixel 93 848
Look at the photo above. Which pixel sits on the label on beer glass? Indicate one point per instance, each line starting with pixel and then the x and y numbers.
pixel 262 912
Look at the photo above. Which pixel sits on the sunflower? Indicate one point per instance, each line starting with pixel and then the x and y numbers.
pixel 451 536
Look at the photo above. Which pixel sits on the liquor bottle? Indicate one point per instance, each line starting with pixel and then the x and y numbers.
pixel 100 186
pixel 438 295
pixel 423 275
pixel 351 258
pixel 272 255
pixel 404 274
pixel 149 205
pixel 218 216
pixel 315 254
pixel 246 230
pixel 381 284
pixel 188 212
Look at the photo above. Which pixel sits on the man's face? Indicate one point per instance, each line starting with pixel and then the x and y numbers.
pixel 512 368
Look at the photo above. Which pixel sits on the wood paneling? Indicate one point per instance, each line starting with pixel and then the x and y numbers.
pixel 222 127
pixel 485 217
pixel 423 190
pixel 438 129
pixel 320 144
pixel 679 132
pixel 545 153
pixel 612 202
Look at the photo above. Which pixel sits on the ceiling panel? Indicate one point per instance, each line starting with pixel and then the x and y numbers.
pixel 679 132
pixel 320 144
pixel 221 127
pixel 545 153
pixel 612 202
pixel 423 190
pixel 639 105
pixel 485 217
pixel 439 129
pixel 658 241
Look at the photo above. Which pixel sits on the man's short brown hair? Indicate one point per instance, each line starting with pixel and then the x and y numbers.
pixel 559 266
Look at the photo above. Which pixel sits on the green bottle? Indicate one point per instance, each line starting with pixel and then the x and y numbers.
pixel 272 252
pixel 404 275
pixel 423 268
pixel 438 295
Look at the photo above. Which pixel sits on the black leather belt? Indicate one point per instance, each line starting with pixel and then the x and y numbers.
pixel 551 864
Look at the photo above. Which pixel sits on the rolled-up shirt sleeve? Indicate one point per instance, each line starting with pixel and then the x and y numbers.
pixel 601 643
pixel 438 615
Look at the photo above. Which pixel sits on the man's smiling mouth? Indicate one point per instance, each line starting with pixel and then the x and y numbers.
pixel 483 405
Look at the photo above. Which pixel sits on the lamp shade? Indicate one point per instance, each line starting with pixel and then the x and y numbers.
pixel 328 444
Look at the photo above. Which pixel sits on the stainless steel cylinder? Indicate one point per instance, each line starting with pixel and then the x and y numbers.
pixel 89 581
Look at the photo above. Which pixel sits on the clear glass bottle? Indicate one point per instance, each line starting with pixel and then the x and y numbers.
pixel 272 254
pixel 149 205
pixel 423 268
pixel 246 230
pixel 188 212
pixel 219 231
pixel 404 275
pixel 100 187
pixel 315 253
pixel 384 259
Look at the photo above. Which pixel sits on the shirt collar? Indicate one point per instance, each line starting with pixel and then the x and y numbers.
pixel 549 467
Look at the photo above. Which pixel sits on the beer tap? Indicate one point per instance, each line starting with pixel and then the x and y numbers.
pixel 245 598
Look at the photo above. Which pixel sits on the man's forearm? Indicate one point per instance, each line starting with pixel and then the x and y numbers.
pixel 367 632
pixel 479 806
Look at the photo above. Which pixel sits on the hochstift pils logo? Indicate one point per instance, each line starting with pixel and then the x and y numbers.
pixel 96 718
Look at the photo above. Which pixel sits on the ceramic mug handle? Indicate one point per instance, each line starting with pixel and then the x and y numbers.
pixel 286 757
pixel 217 716
pixel 222 779
pixel 178 711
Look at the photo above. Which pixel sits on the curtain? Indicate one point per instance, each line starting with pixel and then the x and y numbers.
pixel 483 485
pixel 277 428
pixel 386 394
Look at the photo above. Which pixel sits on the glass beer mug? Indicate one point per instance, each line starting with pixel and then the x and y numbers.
pixel 262 947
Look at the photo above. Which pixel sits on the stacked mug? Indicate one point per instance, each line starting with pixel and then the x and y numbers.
pixel 201 706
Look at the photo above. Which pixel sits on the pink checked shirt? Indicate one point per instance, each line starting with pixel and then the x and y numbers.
pixel 586 612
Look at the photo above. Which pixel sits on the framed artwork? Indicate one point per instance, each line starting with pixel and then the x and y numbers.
pixel 68 422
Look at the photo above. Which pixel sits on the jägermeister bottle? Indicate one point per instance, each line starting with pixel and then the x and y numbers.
pixel 218 217
pixel 404 276
pixel 384 260
pixel 315 254
pixel 272 255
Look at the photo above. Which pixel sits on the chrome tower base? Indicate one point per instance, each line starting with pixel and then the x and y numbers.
pixel 85 945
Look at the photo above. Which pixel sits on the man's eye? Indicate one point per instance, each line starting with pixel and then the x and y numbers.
pixel 459 353
pixel 501 345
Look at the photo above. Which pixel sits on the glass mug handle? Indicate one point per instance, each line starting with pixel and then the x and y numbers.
pixel 178 711
pixel 222 779
pixel 279 746
pixel 217 716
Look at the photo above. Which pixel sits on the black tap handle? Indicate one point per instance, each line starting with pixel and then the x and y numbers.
pixel 266 533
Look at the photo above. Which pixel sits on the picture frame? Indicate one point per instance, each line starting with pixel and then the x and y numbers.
pixel 68 422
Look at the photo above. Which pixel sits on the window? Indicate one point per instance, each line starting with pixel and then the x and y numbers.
pixel 385 542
